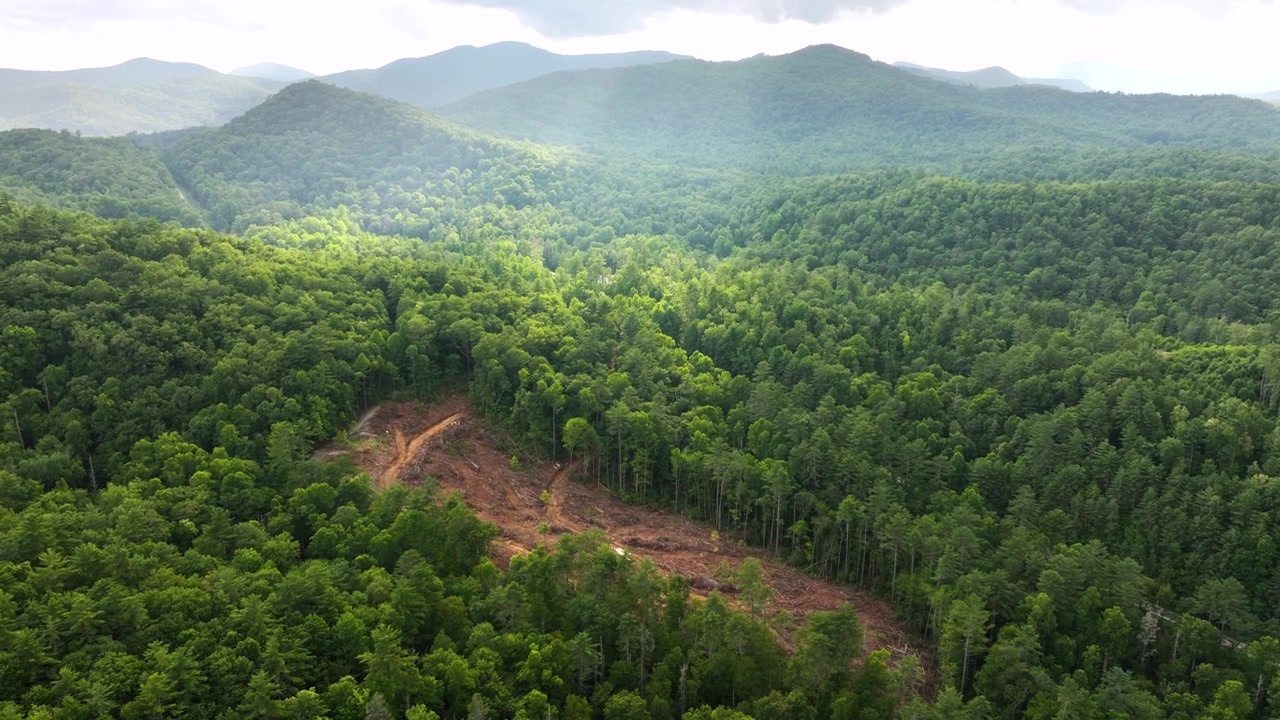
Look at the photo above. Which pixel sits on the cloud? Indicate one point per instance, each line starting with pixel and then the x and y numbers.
pixel 89 13
pixel 1111 7
pixel 578 18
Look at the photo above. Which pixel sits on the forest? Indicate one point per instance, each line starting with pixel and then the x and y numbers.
pixel 1032 404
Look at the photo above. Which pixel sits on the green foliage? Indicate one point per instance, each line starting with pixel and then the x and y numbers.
pixel 315 146
pixel 184 557
pixel 1039 418
pixel 113 178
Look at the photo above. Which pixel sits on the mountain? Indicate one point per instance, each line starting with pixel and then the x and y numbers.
pixel 454 74
pixel 1068 84
pixel 313 145
pixel 141 95
pixel 273 71
pixel 992 77
pixel 111 177
pixel 134 72
pixel 827 109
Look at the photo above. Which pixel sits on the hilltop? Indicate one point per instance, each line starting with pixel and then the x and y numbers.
pixel 315 145
pixel 992 77
pixel 453 74
pixel 111 177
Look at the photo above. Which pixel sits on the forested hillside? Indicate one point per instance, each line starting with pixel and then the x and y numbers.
pixel 111 177
pixel 1031 401
pixel 826 109
pixel 316 146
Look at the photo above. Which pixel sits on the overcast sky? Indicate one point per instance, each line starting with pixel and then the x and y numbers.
pixel 1131 45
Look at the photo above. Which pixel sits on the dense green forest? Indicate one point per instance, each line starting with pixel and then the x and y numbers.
pixel 1033 404
pixel 168 551
pixel 111 177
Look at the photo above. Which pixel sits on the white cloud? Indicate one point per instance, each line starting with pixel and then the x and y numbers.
pixel 579 18
pixel 1133 45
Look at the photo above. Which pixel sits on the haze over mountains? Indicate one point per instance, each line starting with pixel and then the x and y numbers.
pixel 992 77
pixel 141 95
pixel 827 109
pixel 522 91
pixel 273 71
pixel 822 110
pixel 451 75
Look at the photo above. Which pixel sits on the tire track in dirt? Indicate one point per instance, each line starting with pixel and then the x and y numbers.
pixel 556 490
pixel 406 453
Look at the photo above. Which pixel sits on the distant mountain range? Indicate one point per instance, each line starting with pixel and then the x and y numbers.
pixel 827 109
pixel 313 146
pixel 522 91
pixel 141 95
pixel 273 71
pixel 992 77
pixel 451 75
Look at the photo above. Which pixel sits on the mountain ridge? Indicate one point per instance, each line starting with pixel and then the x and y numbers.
pixel 829 109
pixel 273 71
pixel 991 77
pixel 131 72
pixel 141 95
pixel 458 72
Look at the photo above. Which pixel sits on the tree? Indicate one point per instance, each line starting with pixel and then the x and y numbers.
pixel 826 647
pixel 1223 602
pixel 626 705
pixel 391 671
pixel 578 437
pixel 964 635
pixel 1013 672
pixel 753 589
pixel 1230 702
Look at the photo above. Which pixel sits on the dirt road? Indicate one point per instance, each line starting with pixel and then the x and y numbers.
pixel 556 497
pixel 406 453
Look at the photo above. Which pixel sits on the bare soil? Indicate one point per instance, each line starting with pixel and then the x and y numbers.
pixel 450 445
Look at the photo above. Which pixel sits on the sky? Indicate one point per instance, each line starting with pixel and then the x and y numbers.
pixel 1183 46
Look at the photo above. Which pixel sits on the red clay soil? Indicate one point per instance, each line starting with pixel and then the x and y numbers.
pixel 463 456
